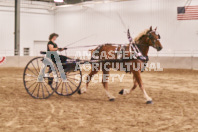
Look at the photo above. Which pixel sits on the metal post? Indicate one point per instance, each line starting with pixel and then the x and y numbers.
pixel 17 28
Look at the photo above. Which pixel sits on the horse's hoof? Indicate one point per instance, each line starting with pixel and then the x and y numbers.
pixel 121 92
pixel 149 102
pixel 79 92
pixel 112 99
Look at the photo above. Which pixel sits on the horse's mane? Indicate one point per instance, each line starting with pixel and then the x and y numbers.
pixel 140 35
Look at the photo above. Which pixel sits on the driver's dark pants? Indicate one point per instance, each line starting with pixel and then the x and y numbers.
pixel 63 59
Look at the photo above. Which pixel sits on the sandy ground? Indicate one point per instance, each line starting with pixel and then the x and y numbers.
pixel 175 108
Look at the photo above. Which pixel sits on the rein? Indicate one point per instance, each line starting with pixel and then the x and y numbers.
pixel 83 46
pixel 102 44
pixel 149 35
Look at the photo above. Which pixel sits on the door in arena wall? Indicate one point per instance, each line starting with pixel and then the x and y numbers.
pixel 39 46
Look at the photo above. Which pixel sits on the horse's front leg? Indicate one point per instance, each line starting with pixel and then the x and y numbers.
pixel 128 91
pixel 105 84
pixel 140 83
pixel 88 79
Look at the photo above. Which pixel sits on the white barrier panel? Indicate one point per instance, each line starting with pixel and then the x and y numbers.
pixel 16 61
pixel 165 62
pixel 176 62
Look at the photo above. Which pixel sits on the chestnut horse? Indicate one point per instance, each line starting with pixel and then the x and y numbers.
pixel 143 41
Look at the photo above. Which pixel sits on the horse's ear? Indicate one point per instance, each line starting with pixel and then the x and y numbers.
pixel 151 28
pixel 155 28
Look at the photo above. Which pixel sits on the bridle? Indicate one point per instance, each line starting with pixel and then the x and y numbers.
pixel 152 39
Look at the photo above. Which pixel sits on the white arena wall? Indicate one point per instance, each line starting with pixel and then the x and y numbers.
pixel 37 22
pixel 100 23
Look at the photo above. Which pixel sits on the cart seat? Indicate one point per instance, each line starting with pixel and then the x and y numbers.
pixel 43 52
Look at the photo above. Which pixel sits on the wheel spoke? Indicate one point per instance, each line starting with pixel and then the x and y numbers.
pixel 46 88
pixel 72 74
pixel 62 88
pixel 43 91
pixel 30 80
pixel 70 87
pixel 29 75
pixel 38 91
pixel 66 88
pixel 31 85
pixel 74 79
pixel 35 67
pixel 34 88
pixel 32 71
pixel 59 84
pixel 72 82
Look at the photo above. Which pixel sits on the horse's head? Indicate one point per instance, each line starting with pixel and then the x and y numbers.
pixel 153 39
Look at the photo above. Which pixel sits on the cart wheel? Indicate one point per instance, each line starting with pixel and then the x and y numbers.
pixel 72 85
pixel 39 90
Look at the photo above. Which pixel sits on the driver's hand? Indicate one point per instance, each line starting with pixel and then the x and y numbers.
pixel 60 49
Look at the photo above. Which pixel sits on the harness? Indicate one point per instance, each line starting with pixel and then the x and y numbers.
pixel 120 48
pixel 119 51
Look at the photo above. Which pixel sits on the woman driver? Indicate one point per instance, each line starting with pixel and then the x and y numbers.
pixel 52 46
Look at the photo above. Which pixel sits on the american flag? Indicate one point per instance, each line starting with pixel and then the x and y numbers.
pixel 187 13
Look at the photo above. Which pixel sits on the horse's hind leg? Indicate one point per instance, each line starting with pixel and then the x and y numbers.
pixel 127 91
pixel 105 84
pixel 88 79
pixel 139 81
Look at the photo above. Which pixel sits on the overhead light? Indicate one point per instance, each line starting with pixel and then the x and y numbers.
pixel 58 0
